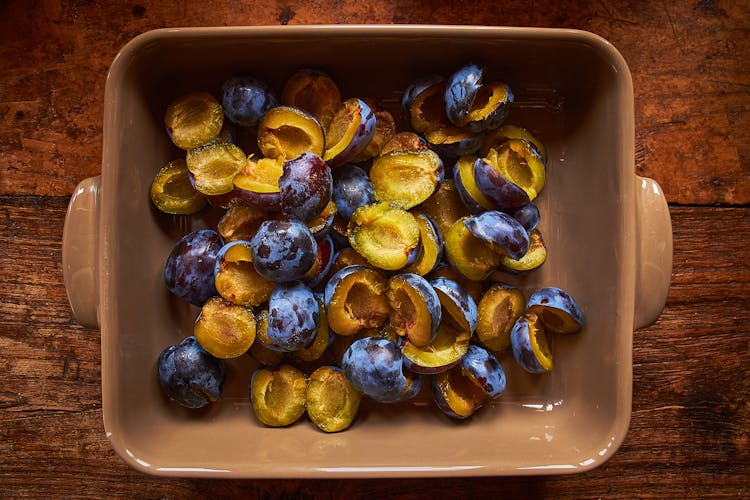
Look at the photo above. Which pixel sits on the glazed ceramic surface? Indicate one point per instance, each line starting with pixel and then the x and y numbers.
pixel 607 231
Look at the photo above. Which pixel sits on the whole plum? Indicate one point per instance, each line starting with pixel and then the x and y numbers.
pixel 293 316
pixel 374 366
pixel 189 270
pixel 305 186
pixel 283 251
pixel 351 189
pixel 245 99
pixel 189 375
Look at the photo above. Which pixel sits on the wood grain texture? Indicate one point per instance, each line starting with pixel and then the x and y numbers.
pixel 689 434
pixel 690 428
pixel 688 61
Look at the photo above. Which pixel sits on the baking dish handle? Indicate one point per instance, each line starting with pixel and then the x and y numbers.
pixel 80 252
pixel 653 251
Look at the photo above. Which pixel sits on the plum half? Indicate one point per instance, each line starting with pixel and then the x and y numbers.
pixel 386 235
pixel 278 395
pixel 224 329
pixel 406 178
pixel 557 310
pixel 415 308
pixel 332 402
pixel 355 298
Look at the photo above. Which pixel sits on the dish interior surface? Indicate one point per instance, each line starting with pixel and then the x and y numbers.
pixel 572 90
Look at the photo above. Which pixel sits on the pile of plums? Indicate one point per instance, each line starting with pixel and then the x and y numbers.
pixel 352 258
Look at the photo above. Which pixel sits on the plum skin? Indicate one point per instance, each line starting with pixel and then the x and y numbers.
pixel 293 316
pixel 556 309
pixel 351 189
pixel 189 270
pixel 283 251
pixel 245 99
pixel 374 366
pixel 305 186
pixel 501 231
pixel 189 375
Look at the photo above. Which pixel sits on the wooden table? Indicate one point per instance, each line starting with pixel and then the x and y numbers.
pixel 690 63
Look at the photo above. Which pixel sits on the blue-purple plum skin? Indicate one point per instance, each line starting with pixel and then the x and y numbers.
pixel 351 189
pixel 374 366
pixel 528 215
pixel 429 295
pixel 520 341
pixel 504 193
pixel 460 90
pixel 189 375
pixel 246 99
pixel 283 251
pixel 460 298
pixel 293 316
pixel 557 310
pixel 500 231
pixel 305 186
pixel 413 90
pixel 189 270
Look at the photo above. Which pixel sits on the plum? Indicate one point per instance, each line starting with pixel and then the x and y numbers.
pixel 332 402
pixel 350 130
pixel 189 375
pixel 473 104
pixel 529 342
pixel 240 222
pixel 470 255
pixel 355 298
pixel 431 246
pixel 246 99
pixel 323 262
pixel 283 250
pixel 351 189
pixel 386 235
pixel 224 329
pixel 257 183
pixel 305 186
pixel 374 366
pixel 405 141
pixel 278 395
pixel 315 92
pixel 534 257
pixel 293 316
pixel 236 279
pixel 441 354
pixel 460 91
pixel 385 129
pixel 193 120
pixel 500 231
pixel 498 309
pixel 213 167
pixel 494 138
pixel 527 215
pixel 172 192
pixel 457 302
pixel 415 308
pixel 189 270
pixel 466 187
pixel 286 132
pixel 511 175
pixel 556 309
pixel 475 381
pixel 416 87
pixel 406 178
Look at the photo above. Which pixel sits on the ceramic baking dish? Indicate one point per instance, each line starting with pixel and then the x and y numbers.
pixel 607 230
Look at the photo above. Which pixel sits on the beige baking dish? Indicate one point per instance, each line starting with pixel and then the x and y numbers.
pixel 608 233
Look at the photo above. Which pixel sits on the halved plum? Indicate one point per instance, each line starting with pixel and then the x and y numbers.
pixel 470 255
pixel 460 91
pixel 214 167
pixel 385 129
pixel 494 138
pixel 405 141
pixel 504 234
pixel 285 132
pixel 245 99
pixel 258 183
pixel 386 235
pixel 444 206
pixel 193 120
pixel 305 186
pixel 466 186
pixel 445 351
pixel 173 193
pixel 415 308
pixel 320 342
pixel 278 395
pixel 347 256
pixel 453 142
pixel 416 87
pixel 498 310
pixel 240 222
pixel 511 175
pixel 556 309
pixel 261 351
pixel 478 379
pixel 474 105
pixel 236 279
pixel 315 92
pixel 457 303
pixel 529 342
pixel 534 257
pixel 332 402
pixel 406 178
pixel 474 288
pixel 355 298
pixel 224 329
pixel 431 245
pixel 350 130
pixel 527 215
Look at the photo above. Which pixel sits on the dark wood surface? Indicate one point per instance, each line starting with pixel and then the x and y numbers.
pixel 690 61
